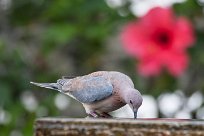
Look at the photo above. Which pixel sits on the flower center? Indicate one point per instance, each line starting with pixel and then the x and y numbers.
pixel 163 39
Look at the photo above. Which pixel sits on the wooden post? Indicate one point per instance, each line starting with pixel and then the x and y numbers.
pixel 118 127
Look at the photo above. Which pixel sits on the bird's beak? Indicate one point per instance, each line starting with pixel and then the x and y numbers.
pixel 135 114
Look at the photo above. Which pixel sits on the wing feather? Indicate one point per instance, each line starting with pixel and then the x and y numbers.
pixel 91 89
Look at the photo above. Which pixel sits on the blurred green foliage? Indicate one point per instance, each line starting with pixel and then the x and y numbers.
pixel 43 39
pixel 30 32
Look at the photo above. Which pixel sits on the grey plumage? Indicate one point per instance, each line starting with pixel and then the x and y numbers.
pixel 88 90
pixel 92 89
pixel 53 86
pixel 100 92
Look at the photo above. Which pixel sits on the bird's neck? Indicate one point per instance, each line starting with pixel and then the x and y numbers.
pixel 125 94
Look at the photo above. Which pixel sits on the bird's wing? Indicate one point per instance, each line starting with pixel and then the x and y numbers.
pixel 89 89
pixel 68 77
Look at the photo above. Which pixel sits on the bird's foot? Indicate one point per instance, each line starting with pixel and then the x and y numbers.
pixel 93 114
pixel 99 115
pixel 106 115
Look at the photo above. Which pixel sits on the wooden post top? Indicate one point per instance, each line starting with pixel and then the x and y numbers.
pixel 118 127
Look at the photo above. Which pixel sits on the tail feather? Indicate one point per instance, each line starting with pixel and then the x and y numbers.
pixel 53 86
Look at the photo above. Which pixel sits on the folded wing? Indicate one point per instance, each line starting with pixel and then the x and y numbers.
pixel 89 89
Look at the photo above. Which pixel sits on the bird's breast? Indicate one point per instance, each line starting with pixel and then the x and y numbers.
pixel 109 104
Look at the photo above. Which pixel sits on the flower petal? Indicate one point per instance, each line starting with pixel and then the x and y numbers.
pixel 183 33
pixel 176 63
pixel 134 39
pixel 158 17
pixel 149 67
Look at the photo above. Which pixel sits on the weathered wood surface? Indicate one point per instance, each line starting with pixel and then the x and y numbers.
pixel 118 127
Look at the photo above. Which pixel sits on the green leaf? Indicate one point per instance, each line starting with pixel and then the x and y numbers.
pixel 59 33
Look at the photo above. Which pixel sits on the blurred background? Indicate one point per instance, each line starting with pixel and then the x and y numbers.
pixel 42 40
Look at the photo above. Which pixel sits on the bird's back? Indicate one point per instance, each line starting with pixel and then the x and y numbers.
pixel 116 78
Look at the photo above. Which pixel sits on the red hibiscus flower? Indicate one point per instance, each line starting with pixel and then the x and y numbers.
pixel 159 40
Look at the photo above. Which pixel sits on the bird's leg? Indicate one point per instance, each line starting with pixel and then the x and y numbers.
pixel 93 114
pixel 99 115
pixel 105 115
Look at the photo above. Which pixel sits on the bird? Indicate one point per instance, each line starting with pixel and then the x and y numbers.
pixel 99 92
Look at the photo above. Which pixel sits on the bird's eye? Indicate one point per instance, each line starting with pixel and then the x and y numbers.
pixel 130 102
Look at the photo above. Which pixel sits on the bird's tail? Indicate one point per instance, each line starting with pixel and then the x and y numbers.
pixel 54 86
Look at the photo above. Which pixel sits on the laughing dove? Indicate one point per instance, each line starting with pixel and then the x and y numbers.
pixel 100 92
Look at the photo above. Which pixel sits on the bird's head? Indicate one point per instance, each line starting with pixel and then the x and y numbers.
pixel 134 99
